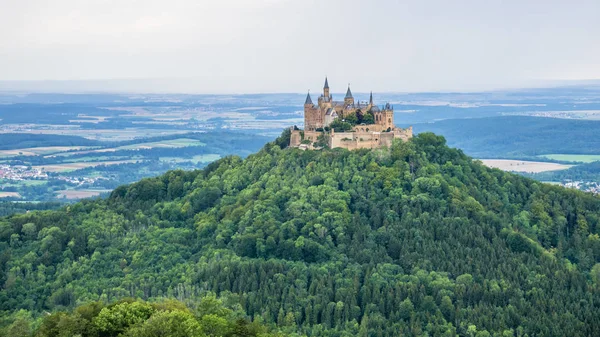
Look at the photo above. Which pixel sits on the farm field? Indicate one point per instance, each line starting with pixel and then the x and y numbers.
pixel 36 151
pixel 100 134
pixel 8 183
pixel 523 166
pixel 67 167
pixel 204 158
pixel 79 194
pixel 172 143
pixel 581 158
pixel 9 195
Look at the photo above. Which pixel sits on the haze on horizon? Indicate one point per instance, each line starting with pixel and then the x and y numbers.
pixel 225 46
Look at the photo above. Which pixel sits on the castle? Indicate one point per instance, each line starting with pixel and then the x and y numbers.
pixel 349 124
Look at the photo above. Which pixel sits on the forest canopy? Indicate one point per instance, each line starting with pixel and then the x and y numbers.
pixel 416 240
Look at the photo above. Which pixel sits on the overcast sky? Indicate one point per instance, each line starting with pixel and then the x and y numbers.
pixel 290 45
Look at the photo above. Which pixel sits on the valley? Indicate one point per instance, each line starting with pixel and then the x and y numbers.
pixel 57 142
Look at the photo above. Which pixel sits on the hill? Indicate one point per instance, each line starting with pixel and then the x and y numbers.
pixel 414 240
pixel 517 136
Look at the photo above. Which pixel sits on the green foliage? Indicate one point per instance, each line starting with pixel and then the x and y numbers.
pixel 349 121
pixel 416 239
pixel 322 141
pixel 367 118
pixel 283 141
pixel 340 125
pixel 135 318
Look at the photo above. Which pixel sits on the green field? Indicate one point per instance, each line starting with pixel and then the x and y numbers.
pixel 10 183
pixel 173 143
pixel 99 158
pixel 203 158
pixel 38 151
pixel 581 158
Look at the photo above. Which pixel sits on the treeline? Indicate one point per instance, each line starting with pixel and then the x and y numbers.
pixel 413 240
pixel 517 136
pixel 210 317
pixel 9 141
pixel 9 208
pixel 581 172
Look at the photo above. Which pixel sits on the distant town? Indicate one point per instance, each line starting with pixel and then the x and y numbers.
pixel 593 187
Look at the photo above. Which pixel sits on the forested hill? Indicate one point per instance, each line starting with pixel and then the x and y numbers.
pixel 416 240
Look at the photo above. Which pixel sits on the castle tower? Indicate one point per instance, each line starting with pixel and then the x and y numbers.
pixel 309 108
pixel 387 116
pixel 326 89
pixel 348 100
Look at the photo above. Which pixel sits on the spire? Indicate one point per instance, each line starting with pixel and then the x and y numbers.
pixel 326 86
pixel 348 93
pixel 308 99
pixel 371 98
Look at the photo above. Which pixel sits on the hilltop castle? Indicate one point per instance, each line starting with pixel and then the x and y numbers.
pixel 349 124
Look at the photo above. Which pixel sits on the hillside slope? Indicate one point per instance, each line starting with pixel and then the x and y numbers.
pixel 413 240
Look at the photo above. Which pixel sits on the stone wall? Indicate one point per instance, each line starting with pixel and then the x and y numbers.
pixel 295 138
pixel 361 137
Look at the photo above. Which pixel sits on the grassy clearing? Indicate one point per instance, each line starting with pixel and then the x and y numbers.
pixel 79 194
pixel 204 158
pixel 581 158
pixel 523 166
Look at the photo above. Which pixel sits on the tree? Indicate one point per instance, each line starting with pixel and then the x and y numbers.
pixel 406 309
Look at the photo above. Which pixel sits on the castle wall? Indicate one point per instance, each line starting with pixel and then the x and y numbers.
pixel 363 139
pixel 295 138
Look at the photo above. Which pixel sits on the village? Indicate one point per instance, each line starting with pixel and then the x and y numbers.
pixel 18 173
pixel 21 172
pixel 593 187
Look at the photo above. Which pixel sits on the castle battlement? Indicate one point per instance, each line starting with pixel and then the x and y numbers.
pixel 377 130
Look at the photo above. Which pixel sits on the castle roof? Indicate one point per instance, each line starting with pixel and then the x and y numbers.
pixel 331 112
pixel 308 99
pixel 326 86
pixel 348 93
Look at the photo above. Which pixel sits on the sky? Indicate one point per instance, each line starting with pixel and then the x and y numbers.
pixel 251 46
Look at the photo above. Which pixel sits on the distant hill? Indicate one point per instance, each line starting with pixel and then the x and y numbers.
pixel 517 136
pixel 416 240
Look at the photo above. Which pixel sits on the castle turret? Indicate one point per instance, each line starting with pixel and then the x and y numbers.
pixel 308 100
pixel 326 88
pixel 313 119
pixel 348 100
